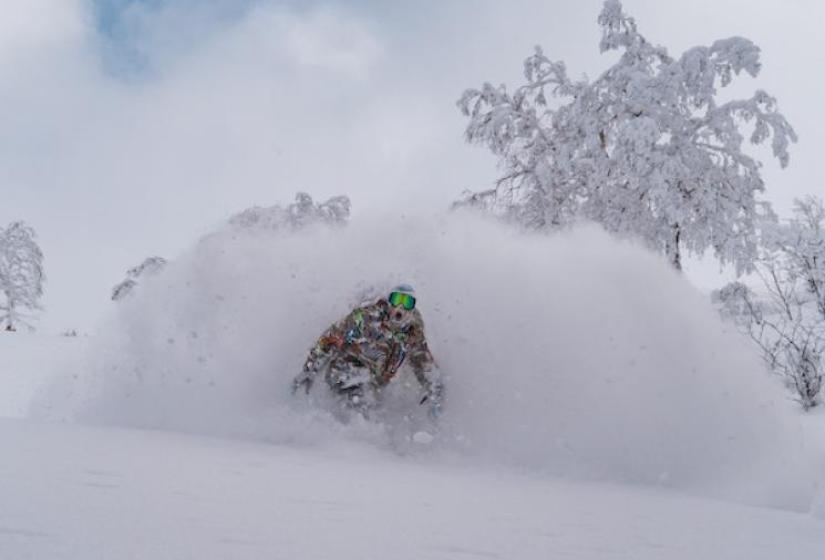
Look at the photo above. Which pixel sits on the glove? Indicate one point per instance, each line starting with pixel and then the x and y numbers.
pixel 304 379
pixel 435 406
pixel 435 397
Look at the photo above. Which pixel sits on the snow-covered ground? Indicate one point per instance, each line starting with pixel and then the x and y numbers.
pixel 72 492
pixel 635 426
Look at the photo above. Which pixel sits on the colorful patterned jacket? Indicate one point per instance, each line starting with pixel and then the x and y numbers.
pixel 367 338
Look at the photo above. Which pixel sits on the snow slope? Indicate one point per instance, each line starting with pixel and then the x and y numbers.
pixel 597 407
pixel 73 492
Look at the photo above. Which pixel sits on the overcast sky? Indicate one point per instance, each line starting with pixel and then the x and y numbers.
pixel 131 127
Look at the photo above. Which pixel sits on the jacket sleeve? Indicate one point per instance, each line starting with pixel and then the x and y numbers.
pixel 332 339
pixel 343 334
pixel 318 356
pixel 423 365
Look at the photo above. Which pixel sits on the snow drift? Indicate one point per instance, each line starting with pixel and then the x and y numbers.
pixel 574 354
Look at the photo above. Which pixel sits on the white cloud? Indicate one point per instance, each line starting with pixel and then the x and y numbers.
pixel 34 24
pixel 326 97
pixel 329 40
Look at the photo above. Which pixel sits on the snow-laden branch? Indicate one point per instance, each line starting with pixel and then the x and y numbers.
pixel 788 321
pixel 645 149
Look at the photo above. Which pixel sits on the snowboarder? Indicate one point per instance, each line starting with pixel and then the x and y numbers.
pixel 361 353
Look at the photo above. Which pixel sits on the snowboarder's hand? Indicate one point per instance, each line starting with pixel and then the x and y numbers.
pixel 303 380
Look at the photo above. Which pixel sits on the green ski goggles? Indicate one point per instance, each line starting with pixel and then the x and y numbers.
pixel 399 299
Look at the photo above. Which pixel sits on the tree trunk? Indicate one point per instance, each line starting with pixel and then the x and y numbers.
pixel 11 315
pixel 672 249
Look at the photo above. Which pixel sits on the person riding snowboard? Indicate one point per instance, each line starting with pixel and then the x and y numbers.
pixel 361 353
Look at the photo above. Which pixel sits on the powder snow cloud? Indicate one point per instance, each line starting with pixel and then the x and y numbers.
pixel 559 355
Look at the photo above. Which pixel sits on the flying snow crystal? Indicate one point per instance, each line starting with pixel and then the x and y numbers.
pixel 645 149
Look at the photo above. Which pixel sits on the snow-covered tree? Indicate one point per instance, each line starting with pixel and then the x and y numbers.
pixel 301 213
pixel 149 267
pixel 788 321
pixel 801 244
pixel 21 274
pixel 646 149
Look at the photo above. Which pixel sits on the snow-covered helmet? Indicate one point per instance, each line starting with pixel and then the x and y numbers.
pixel 404 289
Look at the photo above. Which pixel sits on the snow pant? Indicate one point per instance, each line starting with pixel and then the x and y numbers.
pixel 352 384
